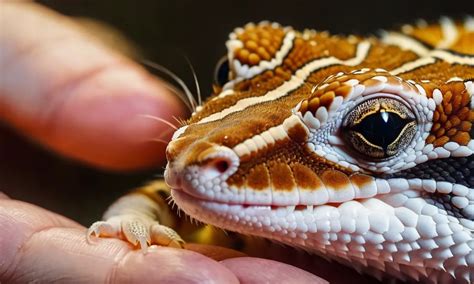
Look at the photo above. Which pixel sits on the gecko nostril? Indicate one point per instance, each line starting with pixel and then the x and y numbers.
pixel 222 165
pixel 218 162
pixel 215 167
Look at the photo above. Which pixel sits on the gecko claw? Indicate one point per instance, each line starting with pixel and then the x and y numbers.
pixel 143 245
pixel 99 229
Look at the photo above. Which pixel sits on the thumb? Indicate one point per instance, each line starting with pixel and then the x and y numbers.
pixel 67 91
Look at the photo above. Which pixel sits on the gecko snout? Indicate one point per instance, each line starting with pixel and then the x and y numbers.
pixel 203 162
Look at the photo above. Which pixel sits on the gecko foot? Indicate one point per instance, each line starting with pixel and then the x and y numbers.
pixel 136 229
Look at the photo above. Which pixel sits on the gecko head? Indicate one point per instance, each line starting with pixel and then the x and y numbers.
pixel 349 164
pixel 353 166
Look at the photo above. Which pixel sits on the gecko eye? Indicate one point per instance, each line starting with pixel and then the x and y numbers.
pixel 379 127
pixel 221 73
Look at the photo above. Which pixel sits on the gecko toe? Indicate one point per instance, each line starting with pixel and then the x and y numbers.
pixel 166 236
pixel 136 232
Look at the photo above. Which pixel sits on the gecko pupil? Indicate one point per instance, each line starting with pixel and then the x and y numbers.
pixel 381 128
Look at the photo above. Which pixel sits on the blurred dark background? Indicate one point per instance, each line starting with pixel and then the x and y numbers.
pixel 166 31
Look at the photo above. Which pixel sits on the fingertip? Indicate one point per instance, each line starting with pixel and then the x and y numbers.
pixel 105 121
pixel 63 253
pixel 79 97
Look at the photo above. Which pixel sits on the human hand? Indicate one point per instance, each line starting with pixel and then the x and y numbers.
pixel 65 90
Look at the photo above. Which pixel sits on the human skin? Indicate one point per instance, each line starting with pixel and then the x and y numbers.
pixel 65 90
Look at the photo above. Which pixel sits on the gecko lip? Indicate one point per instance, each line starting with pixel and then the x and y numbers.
pixel 181 194
pixel 193 205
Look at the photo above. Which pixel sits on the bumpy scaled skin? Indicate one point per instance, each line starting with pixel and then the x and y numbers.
pixel 288 150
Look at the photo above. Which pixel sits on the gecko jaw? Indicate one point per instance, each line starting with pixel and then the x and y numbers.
pixel 345 231
pixel 321 226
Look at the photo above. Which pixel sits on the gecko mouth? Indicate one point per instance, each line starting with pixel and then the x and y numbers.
pixel 440 201
pixel 182 197
pixel 222 214
pixel 179 195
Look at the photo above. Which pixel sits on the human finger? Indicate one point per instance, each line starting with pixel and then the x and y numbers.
pixel 38 245
pixel 64 89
